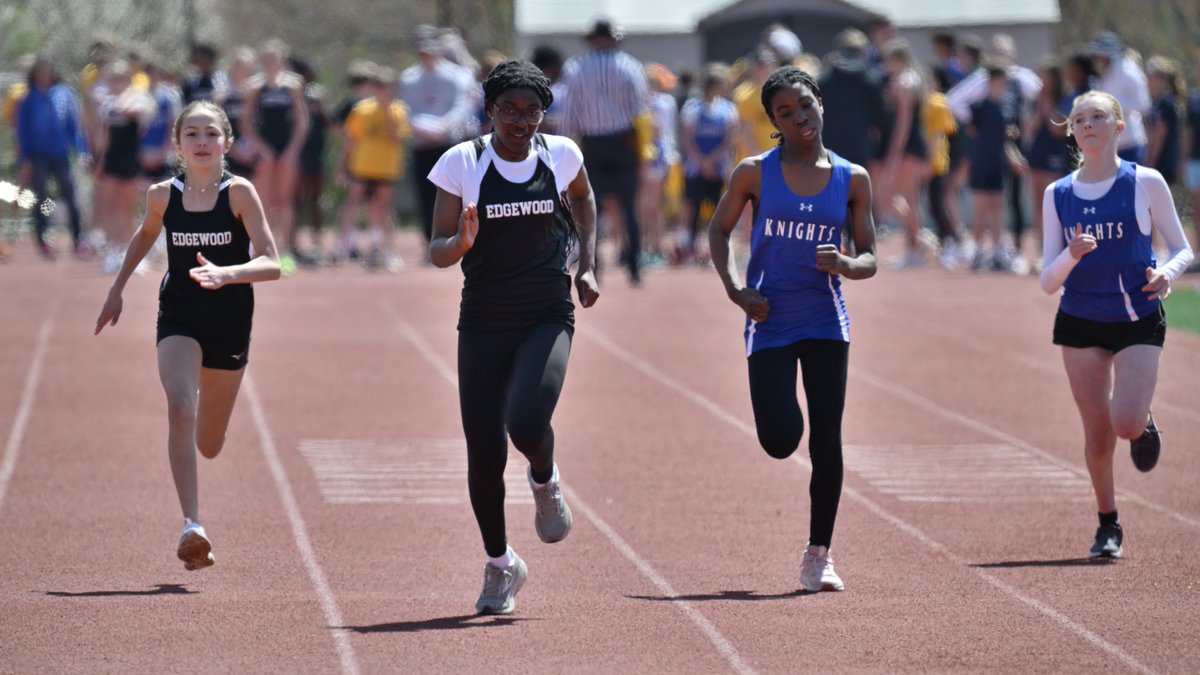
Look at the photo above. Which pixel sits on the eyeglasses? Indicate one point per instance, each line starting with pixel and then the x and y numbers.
pixel 511 115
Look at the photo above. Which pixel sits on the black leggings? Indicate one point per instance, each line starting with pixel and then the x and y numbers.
pixel 780 423
pixel 508 386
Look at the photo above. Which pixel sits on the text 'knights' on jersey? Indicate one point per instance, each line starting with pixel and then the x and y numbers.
pixel 221 238
pixel 1105 285
pixel 805 302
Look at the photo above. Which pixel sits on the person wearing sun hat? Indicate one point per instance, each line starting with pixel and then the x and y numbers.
pixel 1121 77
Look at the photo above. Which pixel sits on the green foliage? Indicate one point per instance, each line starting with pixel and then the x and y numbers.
pixel 1183 306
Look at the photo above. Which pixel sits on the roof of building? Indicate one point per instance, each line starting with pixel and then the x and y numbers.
pixel 683 16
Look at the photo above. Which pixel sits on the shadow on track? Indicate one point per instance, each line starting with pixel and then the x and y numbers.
pixel 441 623
pixel 1065 562
pixel 722 595
pixel 161 589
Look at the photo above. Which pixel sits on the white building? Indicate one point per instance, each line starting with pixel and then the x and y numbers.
pixel 687 33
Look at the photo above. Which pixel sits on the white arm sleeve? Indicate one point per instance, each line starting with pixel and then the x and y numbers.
pixel 962 95
pixel 1165 219
pixel 1057 262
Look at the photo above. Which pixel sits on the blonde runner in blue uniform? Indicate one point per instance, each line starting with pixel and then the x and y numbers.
pixel 803 195
pixel 1096 246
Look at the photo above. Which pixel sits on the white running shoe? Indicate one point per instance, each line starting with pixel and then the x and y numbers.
pixel 500 586
pixel 816 571
pixel 195 550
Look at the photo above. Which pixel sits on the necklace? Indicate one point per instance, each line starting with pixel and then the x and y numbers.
pixel 201 190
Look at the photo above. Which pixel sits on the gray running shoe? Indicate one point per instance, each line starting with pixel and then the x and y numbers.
pixel 553 518
pixel 500 587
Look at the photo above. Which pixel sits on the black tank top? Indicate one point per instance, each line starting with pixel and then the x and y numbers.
pixel 222 238
pixel 516 273
pixel 274 116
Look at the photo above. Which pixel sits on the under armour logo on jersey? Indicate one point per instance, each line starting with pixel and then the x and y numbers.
pixel 806 207
pixel 1089 210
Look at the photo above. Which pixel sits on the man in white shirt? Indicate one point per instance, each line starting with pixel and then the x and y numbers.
pixel 1124 79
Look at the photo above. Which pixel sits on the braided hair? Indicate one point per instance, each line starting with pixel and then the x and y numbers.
pixel 785 78
pixel 517 74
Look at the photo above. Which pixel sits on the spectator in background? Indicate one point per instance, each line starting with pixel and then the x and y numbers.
pixel 781 42
pixel 125 112
pixel 755 128
pixel 441 99
pixel 1192 175
pixel 945 56
pixel 48 130
pixel 940 130
pixel 1079 74
pixel 1167 89
pixel 880 31
pixel 1124 79
pixel 606 91
pixel 989 164
pixel 276 122
pixel 550 61
pixel 311 182
pixel 652 195
pixel 709 125
pixel 1046 131
pixel 156 152
pixel 850 87
pixel 905 158
pixel 242 157
pixel 1023 88
pixel 204 82
pixel 375 132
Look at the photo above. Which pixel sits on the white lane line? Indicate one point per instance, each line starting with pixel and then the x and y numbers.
pixel 25 409
pixel 910 396
pixel 706 403
pixel 719 642
pixel 333 616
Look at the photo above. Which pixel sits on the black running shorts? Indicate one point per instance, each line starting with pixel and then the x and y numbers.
pixel 1072 331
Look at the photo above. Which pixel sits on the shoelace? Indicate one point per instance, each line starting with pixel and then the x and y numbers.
pixel 494 579
pixel 550 501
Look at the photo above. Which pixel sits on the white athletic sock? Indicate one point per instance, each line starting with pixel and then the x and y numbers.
pixel 188 523
pixel 553 477
pixel 504 560
pixel 376 236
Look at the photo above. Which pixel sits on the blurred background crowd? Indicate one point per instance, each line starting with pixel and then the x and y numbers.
pixel 960 128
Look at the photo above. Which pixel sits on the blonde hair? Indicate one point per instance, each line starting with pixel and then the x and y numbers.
pixel 222 121
pixel 1113 105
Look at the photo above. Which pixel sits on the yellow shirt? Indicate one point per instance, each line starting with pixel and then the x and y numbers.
pixel 939 124
pixel 748 99
pixel 90 74
pixel 16 94
pixel 376 150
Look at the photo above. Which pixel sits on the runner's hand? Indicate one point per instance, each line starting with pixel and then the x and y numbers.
pixel 587 288
pixel 753 303
pixel 468 227
pixel 1158 284
pixel 829 259
pixel 110 312
pixel 1082 243
pixel 209 276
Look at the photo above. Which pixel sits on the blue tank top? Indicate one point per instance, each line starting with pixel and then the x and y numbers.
pixel 1106 284
pixel 806 303
pixel 712 123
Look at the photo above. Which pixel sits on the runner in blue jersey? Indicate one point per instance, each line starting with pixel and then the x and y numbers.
pixel 1096 245
pixel 804 196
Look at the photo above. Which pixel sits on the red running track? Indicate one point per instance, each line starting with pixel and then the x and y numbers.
pixel 344 541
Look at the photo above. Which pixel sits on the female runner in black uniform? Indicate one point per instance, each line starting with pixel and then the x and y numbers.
pixel 205 301
pixel 276 121
pixel 502 210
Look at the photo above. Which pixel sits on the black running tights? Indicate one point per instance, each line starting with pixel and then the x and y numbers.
pixel 780 423
pixel 508 386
